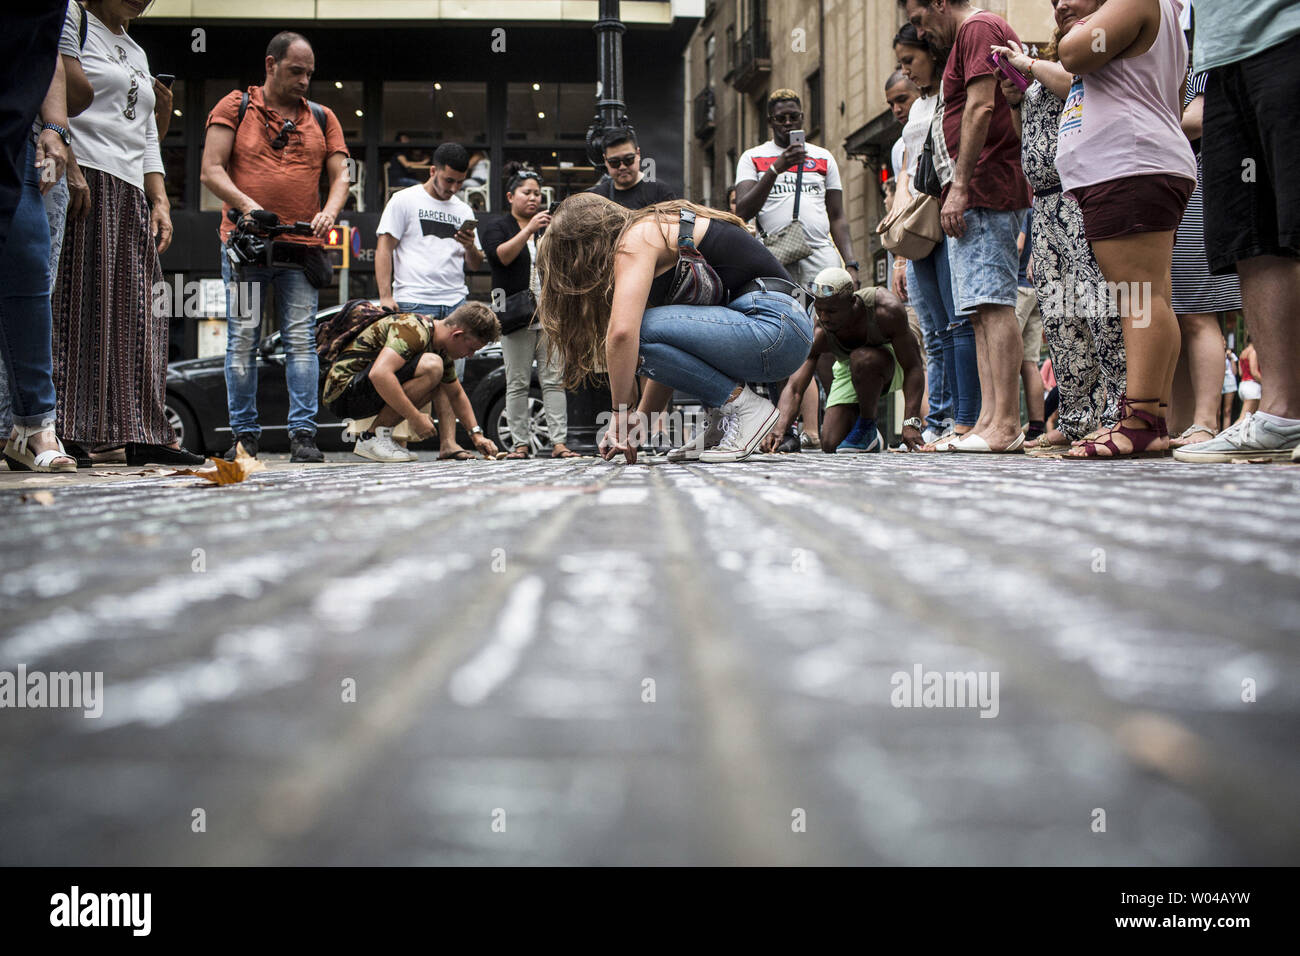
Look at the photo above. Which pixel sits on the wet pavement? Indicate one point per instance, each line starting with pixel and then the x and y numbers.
pixel 577 662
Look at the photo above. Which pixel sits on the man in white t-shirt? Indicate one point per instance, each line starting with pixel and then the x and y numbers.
pixel 425 238
pixel 765 187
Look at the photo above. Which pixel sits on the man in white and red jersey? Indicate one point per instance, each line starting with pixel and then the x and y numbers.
pixel 765 187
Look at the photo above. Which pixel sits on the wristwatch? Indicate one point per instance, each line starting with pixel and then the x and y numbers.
pixel 915 423
pixel 852 265
pixel 65 134
pixel 476 430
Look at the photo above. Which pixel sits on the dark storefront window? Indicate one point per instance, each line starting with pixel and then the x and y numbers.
pixel 346 99
pixel 436 112
pixel 548 112
pixel 174 146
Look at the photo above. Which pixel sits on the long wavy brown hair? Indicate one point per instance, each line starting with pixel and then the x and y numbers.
pixel 575 263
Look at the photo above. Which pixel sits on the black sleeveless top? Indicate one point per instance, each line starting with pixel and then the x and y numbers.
pixel 736 256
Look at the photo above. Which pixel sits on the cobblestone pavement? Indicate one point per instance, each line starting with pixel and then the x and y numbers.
pixel 579 662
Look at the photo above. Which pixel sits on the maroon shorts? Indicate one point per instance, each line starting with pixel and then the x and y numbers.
pixel 1134 204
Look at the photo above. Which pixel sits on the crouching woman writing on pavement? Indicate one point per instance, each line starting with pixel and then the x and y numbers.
pixel 611 299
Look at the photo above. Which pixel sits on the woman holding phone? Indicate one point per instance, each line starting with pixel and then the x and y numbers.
pixel 1123 155
pixel 607 273
pixel 110 344
pixel 1082 331
pixel 510 243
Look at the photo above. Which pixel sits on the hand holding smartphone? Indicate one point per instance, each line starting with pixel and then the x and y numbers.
pixel 166 79
pixel 1008 72
pixel 797 138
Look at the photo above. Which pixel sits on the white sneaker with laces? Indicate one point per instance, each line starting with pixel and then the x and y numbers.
pixel 749 419
pixel 381 447
pixel 713 431
pixel 1254 438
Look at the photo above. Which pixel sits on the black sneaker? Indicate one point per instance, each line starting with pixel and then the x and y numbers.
pixel 302 447
pixel 249 441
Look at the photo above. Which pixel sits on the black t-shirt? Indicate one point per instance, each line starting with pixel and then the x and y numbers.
pixel 645 193
pixel 736 256
pixel 492 232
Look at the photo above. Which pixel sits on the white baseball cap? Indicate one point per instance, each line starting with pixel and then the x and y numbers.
pixel 831 281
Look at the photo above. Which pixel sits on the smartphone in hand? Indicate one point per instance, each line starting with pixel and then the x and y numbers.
pixel 797 138
pixel 166 79
pixel 1008 72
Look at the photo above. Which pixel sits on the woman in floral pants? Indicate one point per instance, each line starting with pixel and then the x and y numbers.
pixel 1080 323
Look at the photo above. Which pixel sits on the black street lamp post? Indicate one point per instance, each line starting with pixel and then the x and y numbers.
pixel 589 400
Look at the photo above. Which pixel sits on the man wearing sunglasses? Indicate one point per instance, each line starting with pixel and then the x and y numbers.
pixel 876 353
pixel 765 186
pixel 625 183
pixel 268 147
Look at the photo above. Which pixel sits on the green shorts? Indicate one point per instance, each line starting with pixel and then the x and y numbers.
pixel 842 390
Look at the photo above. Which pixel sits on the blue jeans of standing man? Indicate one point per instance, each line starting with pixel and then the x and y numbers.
pixel 56 212
pixel 706 351
pixel 26 323
pixel 295 308
pixel 435 312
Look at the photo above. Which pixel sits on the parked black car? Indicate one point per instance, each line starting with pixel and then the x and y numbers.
pixel 196 402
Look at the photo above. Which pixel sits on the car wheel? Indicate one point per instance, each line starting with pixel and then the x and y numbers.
pixel 498 429
pixel 184 424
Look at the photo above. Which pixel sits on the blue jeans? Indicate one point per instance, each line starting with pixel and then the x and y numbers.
pixel 985 262
pixel 26 323
pixel 935 319
pixel 295 307
pixel 436 312
pixel 935 286
pixel 706 351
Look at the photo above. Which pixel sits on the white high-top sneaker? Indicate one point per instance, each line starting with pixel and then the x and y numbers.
pixel 713 431
pixel 381 447
pixel 749 419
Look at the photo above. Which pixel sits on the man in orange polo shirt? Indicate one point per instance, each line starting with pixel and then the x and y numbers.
pixel 265 149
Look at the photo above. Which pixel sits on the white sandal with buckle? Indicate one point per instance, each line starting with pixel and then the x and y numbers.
pixel 20 458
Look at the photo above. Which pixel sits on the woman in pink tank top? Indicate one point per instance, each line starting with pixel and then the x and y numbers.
pixel 1123 156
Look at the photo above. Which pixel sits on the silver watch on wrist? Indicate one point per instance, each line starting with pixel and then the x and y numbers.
pixel 476 430
pixel 915 423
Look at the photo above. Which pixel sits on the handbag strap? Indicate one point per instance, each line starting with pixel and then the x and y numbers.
pixel 798 191
pixel 685 229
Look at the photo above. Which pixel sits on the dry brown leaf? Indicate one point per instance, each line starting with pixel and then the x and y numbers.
pixel 227 472
pixel 39 497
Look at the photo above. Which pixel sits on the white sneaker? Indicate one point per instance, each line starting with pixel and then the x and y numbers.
pixel 749 419
pixel 712 434
pixel 1252 439
pixel 930 435
pixel 381 447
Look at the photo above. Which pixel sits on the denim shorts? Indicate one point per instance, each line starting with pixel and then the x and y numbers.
pixel 985 262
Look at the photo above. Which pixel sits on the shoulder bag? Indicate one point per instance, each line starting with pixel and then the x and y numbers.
pixel 694 281
pixel 790 243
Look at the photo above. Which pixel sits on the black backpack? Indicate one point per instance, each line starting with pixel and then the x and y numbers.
pixel 318 112
pixel 336 333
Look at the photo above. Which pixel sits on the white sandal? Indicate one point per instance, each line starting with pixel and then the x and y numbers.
pixel 20 458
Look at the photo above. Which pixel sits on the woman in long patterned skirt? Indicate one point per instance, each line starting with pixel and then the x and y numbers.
pixel 110 343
